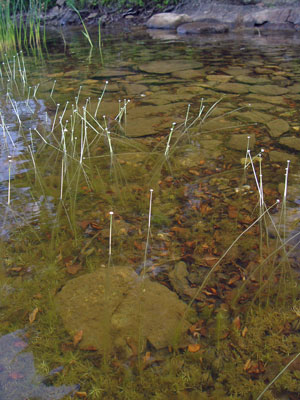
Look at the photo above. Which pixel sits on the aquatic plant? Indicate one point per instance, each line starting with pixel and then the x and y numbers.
pixel 85 31
pixel 20 25
pixel 100 44
pixel 77 170
pixel 148 232
pixel 160 4
pixel 277 376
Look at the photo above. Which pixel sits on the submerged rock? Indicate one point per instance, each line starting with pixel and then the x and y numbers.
pixel 235 71
pixel 159 118
pixel 189 74
pixel 134 89
pixel 286 224
pixel 115 306
pixel 264 98
pixel 281 156
pixel 237 88
pixel 203 26
pixel 260 106
pixel 293 192
pixel 179 280
pixel 218 78
pixel 166 67
pixel 268 90
pixel 254 116
pixel 278 127
pixel 218 124
pixel 292 142
pixel 239 142
pixel 252 80
pixel 295 88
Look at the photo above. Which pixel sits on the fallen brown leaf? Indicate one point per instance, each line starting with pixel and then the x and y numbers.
pixel 81 394
pixel 205 209
pixel 96 226
pixel 86 189
pixel 180 230
pixel 247 364
pixel 72 269
pixel 237 323
pixel 89 348
pixel 193 348
pixel 210 261
pixel 194 172
pixel 147 357
pixel 15 269
pixel 213 290
pixel 232 212
pixel 196 328
pixel 32 315
pixel 234 279
pixel 137 245
pixel 244 331
pixel 77 337
pixel 84 224
pixel 252 367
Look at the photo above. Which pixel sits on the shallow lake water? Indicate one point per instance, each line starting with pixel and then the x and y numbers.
pixel 176 158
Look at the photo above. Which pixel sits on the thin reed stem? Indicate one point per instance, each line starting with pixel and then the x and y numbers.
pixel 277 376
pixel 111 213
pixel 148 232
pixel 52 90
pixel 9 178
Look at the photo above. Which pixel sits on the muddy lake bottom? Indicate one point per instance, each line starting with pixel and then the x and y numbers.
pixel 150 223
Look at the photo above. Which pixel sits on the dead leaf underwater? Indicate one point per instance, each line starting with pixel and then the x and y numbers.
pixel 32 315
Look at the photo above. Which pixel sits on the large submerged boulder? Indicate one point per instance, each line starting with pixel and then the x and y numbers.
pixel 167 20
pixel 114 307
pixel 203 26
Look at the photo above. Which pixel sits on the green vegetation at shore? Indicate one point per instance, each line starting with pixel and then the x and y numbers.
pixel 21 20
pixel 25 5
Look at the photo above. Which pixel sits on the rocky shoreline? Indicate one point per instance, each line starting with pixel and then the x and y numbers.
pixel 192 17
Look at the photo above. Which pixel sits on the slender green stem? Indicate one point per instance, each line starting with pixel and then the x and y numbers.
pixel 277 376
pixel 85 33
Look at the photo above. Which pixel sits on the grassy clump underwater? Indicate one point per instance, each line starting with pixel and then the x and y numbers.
pixel 202 229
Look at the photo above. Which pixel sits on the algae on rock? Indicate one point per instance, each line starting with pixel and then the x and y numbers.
pixel 114 305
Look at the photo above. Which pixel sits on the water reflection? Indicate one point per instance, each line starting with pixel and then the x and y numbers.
pixel 18 376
